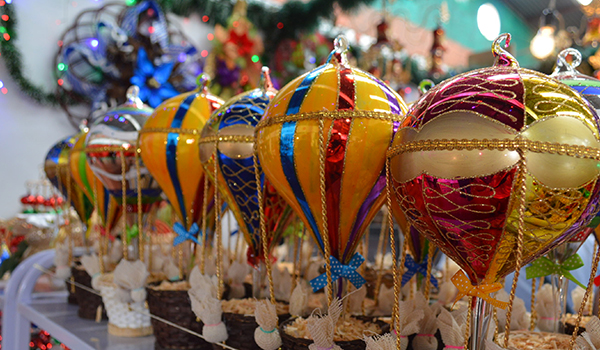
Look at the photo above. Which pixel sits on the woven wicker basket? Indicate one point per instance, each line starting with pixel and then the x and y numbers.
pixel 530 340
pixel 240 331
pixel 88 302
pixel 292 343
pixel 124 319
pixel 72 297
pixel 174 306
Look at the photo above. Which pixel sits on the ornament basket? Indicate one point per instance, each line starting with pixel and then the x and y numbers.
pixel 174 306
pixel 89 303
pixel 72 297
pixel 124 319
pixel 293 343
pixel 240 329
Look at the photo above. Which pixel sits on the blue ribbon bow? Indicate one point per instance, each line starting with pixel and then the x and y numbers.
pixel 184 235
pixel 338 270
pixel 412 268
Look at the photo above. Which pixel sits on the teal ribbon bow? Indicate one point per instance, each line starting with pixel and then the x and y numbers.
pixel 544 267
pixel 338 270
pixel 184 235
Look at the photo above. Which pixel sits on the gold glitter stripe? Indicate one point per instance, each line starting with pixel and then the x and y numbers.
pixel 333 115
pixel 170 130
pixel 227 138
pixel 495 144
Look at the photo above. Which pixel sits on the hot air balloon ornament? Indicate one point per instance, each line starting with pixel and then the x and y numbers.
pixel 322 144
pixel 112 153
pixel 561 260
pixel 496 166
pixel 56 167
pixel 228 138
pixel 106 206
pixel 169 149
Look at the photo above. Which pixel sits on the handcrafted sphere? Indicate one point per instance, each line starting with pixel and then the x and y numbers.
pixel 231 129
pixel 456 159
pixel 116 133
pixel 352 116
pixel 169 149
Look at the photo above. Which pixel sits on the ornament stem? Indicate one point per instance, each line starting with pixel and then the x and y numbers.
pixel 562 64
pixel 265 80
pixel 503 57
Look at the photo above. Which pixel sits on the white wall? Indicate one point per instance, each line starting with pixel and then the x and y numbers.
pixel 28 130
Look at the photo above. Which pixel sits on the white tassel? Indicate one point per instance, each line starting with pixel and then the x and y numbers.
pixel 91 264
pixel 266 335
pixel 61 261
pixel 203 285
pixel 171 270
pixel 520 320
pixel 209 310
pixel 132 276
pixel 452 334
pixel 490 345
pixel 381 342
pixel 409 321
pixel 283 283
pixel 546 308
pixel 577 297
pixel 425 339
pixel 116 252
pixel 237 274
pixel 356 299
pixel 299 301
pixel 448 293
pixel 385 301
pixel 322 329
pixel 590 339
pixel 62 272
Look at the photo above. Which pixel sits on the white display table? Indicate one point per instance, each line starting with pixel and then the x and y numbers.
pixel 50 312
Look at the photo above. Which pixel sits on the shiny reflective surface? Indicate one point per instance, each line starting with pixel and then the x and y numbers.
pixel 464 200
pixel 56 167
pixel 236 179
pixel 119 128
pixel 172 157
pixel 107 207
pixel 355 149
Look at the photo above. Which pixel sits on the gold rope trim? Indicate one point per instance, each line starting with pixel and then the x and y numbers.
pixel 333 115
pixel 495 144
pixel 170 130
pixel 227 138
pixel 109 149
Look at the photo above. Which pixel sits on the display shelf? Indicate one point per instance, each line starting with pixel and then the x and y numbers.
pixel 50 312
pixel 62 322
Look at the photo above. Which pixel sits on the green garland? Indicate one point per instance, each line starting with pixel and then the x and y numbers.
pixel 295 16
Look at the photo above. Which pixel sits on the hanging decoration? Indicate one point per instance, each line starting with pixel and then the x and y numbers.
pixel 230 133
pixel 169 149
pixel 57 170
pixel 312 146
pixel 488 200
